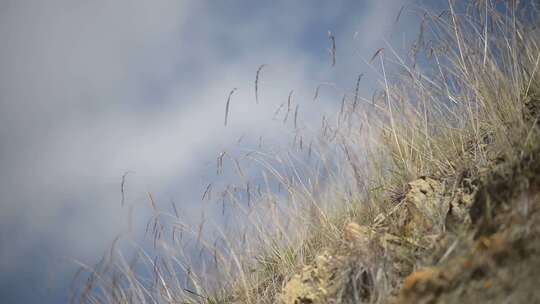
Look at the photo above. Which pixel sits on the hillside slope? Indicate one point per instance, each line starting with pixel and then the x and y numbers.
pixel 460 224
pixel 487 250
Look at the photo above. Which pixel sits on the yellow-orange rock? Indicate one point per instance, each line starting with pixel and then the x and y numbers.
pixel 425 208
pixel 311 284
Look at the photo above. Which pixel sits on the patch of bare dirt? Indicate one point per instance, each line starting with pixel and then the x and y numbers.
pixel 497 259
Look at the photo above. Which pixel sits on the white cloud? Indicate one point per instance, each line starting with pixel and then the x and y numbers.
pixel 91 89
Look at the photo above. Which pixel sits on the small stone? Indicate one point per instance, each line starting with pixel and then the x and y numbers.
pixel 422 286
pixel 424 206
pixel 311 284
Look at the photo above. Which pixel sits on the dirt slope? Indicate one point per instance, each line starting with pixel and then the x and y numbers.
pixel 472 238
pixel 496 259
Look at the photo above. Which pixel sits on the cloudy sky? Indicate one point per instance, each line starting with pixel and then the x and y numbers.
pixel 92 89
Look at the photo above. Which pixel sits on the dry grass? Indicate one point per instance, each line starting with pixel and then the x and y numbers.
pixel 458 104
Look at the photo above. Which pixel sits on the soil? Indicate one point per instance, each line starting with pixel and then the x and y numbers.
pixel 496 259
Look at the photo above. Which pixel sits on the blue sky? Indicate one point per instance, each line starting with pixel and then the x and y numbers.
pixel 92 89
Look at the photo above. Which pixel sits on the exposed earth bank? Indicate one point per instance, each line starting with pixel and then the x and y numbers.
pixel 472 238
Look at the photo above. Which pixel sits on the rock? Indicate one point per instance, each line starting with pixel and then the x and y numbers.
pixel 422 286
pixel 296 292
pixel 311 284
pixel 425 209
pixel 458 210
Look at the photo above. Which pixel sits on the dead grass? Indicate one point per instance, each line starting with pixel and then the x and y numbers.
pixel 460 105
